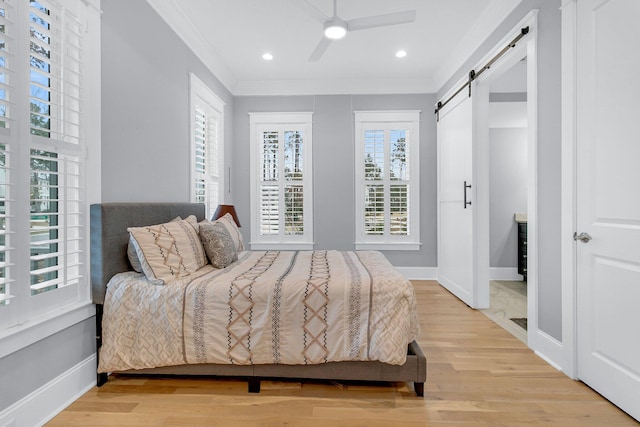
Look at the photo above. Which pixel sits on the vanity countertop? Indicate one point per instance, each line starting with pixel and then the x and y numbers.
pixel 520 217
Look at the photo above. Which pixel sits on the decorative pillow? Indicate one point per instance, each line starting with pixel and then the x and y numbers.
pixel 234 231
pixel 133 255
pixel 168 250
pixel 218 244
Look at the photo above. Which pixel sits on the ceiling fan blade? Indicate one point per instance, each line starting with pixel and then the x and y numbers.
pixel 381 20
pixel 311 10
pixel 320 49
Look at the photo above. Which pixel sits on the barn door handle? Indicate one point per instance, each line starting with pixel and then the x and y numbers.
pixel 583 237
pixel 466 203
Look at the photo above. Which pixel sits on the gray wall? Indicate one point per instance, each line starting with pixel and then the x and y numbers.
pixel 507 193
pixel 549 159
pixel 145 106
pixel 334 162
pixel 26 370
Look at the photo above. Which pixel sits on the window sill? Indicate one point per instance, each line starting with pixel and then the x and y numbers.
pixel 293 246
pixel 366 246
pixel 20 336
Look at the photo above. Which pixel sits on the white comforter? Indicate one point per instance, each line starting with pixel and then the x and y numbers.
pixel 269 307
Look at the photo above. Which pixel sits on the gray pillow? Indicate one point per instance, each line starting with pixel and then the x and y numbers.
pixel 218 244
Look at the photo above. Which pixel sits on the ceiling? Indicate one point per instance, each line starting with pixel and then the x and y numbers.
pixel 230 36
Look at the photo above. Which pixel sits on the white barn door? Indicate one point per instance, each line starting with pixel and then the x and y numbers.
pixel 608 200
pixel 457 207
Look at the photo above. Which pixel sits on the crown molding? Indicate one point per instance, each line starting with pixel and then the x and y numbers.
pixel 333 87
pixel 177 19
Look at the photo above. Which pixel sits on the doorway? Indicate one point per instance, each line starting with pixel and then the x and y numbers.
pixel 508 194
pixel 475 95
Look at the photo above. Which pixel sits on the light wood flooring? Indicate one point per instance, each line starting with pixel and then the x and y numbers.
pixel 477 375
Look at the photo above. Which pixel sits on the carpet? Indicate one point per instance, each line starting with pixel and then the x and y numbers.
pixel 520 321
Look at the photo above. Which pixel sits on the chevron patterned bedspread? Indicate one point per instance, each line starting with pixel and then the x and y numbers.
pixel 282 307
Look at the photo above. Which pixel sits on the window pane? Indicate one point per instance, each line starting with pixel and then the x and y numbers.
pixel 269 156
pixel 293 157
pixel 399 209
pixel 3 225
pixel 269 209
pixel 200 190
pixel 374 210
pixel 44 222
pixel 5 44
pixel 40 60
pixel 373 154
pixel 398 161
pixel 294 211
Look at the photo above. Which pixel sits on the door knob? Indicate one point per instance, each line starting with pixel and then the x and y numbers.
pixel 583 237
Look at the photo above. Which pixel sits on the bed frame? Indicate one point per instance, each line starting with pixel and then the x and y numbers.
pixel 109 238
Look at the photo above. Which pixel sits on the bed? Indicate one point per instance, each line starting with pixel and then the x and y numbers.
pixel 260 331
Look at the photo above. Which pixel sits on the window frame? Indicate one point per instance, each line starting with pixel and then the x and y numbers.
pixel 278 121
pixel 31 317
pixel 388 120
pixel 201 93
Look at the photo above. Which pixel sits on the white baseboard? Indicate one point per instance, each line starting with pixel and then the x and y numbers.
pixel 548 348
pixel 419 273
pixel 504 273
pixel 49 400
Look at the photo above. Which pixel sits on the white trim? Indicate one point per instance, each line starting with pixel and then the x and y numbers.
pixel 568 187
pixel 198 90
pixel 281 117
pixel 32 331
pixel 281 122
pixel 419 273
pixel 526 47
pixel 387 246
pixel 385 116
pixel 43 404
pixel 504 273
pixel 547 348
pixel 387 120
pixel 282 246
pixel 333 87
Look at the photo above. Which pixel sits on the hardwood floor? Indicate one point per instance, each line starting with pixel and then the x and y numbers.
pixel 477 375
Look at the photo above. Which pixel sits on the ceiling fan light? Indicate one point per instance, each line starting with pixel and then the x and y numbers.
pixel 335 29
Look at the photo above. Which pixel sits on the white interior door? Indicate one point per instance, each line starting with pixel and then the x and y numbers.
pixel 608 202
pixel 455 201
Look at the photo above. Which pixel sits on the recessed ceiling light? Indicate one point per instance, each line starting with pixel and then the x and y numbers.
pixel 401 54
pixel 267 56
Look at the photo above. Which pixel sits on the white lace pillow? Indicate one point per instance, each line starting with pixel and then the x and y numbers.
pixel 168 250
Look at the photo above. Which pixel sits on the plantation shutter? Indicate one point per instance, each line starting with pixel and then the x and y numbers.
pixel 7 253
pixel 387 173
pixel 207 142
pixel 282 181
pixel 282 198
pixel 57 232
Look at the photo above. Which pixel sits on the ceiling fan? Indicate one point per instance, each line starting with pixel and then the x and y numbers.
pixel 335 27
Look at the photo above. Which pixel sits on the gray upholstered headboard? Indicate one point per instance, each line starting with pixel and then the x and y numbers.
pixel 109 236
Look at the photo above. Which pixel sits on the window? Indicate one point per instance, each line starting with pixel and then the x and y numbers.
pixel 207 146
pixel 43 208
pixel 281 176
pixel 387 180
